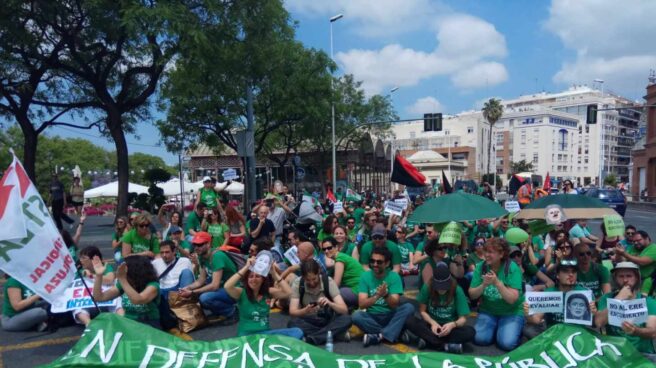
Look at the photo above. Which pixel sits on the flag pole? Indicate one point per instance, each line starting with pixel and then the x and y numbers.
pixel 77 270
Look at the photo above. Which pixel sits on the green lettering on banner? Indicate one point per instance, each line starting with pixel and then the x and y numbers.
pixel 114 341
pixel 6 245
pixel 450 234
pixel 614 225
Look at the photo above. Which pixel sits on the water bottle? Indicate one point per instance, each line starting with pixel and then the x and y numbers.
pixel 329 341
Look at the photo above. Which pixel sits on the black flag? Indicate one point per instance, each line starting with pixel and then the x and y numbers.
pixel 445 184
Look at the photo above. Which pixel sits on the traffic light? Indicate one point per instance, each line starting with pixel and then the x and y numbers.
pixel 433 122
pixel 591 116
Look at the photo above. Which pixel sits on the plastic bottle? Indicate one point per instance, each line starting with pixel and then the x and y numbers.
pixel 329 341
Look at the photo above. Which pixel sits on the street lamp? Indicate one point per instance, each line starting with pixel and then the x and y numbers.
pixel 392 149
pixel 601 136
pixel 332 104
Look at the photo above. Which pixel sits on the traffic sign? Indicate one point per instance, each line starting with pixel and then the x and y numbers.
pixel 230 174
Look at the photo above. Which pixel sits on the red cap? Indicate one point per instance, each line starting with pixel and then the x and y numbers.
pixel 201 237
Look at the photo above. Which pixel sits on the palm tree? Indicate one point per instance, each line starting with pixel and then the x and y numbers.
pixel 492 111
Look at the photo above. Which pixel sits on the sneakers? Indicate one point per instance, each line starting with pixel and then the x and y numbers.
pixel 421 344
pixel 371 339
pixel 42 327
pixel 408 338
pixel 230 320
pixel 345 337
pixel 453 348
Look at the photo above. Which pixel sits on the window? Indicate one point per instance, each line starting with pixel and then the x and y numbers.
pixel 470 130
pixel 413 134
pixel 522 139
pixel 535 158
pixel 562 139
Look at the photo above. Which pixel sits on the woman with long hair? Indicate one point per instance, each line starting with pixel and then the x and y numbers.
pixel 140 240
pixel 77 195
pixel 498 283
pixel 175 219
pixel 214 225
pixel 329 223
pixel 137 286
pixel 443 307
pixel 564 250
pixel 343 244
pixel 251 299
pixel 121 226
pixel 345 271
pixel 22 310
pixel 237 225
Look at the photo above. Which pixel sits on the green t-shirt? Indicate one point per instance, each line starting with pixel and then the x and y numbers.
pixel 491 300
pixel 480 231
pixel 217 231
pixel 184 245
pixel 348 248
pixel 7 309
pixel 406 249
pixel 253 316
pixel 473 259
pixel 368 248
pixel 193 222
pixel 538 245
pixel 357 216
pixel 352 271
pixel 643 345
pixel 369 283
pixel 645 271
pixel 593 279
pixel 322 236
pixel 352 233
pixel 220 261
pixel 553 318
pixel 140 244
pixel 208 196
pixel 140 312
pixel 445 313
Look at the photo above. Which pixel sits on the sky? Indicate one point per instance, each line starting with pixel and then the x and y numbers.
pixel 451 56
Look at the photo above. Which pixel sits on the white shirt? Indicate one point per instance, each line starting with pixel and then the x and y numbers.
pixel 173 277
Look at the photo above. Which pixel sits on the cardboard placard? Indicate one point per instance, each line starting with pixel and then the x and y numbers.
pixel 393 208
pixel 263 262
pixel 512 206
pixel 338 207
pixel 634 311
pixel 76 296
pixel 614 225
pixel 403 201
pixel 577 307
pixel 544 302
pixel 451 234
pixel 292 255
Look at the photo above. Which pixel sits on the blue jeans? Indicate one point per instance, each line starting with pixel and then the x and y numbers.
pixel 186 279
pixel 294 332
pixel 167 319
pixel 390 324
pixel 508 330
pixel 219 302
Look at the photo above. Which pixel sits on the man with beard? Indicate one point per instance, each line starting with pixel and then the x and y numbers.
pixel 431 234
pixel 627 278
pixel 643 254
pixel 379 240
pixel 380 292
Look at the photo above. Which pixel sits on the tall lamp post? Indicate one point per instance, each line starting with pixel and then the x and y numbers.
pixel 602 154
pixel 332 104
pixel 392 149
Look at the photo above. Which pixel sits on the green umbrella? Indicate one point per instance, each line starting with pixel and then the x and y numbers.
pixel 574 207
pixel 457 207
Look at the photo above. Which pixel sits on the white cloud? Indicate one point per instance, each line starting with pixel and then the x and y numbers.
pixel 465 45
pixel 611 39
pixel 425 105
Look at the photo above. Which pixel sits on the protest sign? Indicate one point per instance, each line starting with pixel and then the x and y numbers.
pixel 114 341
pixel 577 307
pixel 614 225
pixel 402 201
pixel 393 208
pixel 450 234
pixel 76 296
pixel 634 311
pixel 338 207
pixel 544 302
pixel 512 206
pixel 263 262
pixel 292 255
pixel 39 259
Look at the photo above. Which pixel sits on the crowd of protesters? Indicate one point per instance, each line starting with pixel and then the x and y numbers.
pixel 353 268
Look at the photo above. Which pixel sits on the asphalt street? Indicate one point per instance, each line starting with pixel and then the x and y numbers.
pixel 29 349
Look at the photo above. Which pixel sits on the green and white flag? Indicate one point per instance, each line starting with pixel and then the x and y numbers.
pixel 351 195
pixel 114 341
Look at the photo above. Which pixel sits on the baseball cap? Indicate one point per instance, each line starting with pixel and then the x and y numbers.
pixel 175 229
pixel 626 266
pixel 441 277
pixel 207 178
pixel 513 249
pixel 378 229
pixel 567 263
pixel 201 237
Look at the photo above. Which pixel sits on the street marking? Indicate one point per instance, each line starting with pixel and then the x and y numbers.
pixel 402 348
pixel 38 344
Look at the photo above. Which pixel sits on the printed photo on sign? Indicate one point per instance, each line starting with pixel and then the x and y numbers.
pixel 544 302
pixel 263 262
pixel 554 215
pixel 634 311
pixel 577 307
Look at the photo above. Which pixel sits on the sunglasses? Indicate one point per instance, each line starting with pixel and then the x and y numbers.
pixel 377 237
pixel 442 248
pixel 565 247
pixel 376 261
pixel 630 233
pixel 328 248
pixel 143 225
pixel 516 254
pixel 351 223
pixel 588 253
pixel 568 262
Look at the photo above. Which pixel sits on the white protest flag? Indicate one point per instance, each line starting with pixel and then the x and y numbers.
pixel 37 257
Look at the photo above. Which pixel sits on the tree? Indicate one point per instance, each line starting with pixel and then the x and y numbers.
pixel 610 180
pixel 492 112
pixel 492 179
pixel 521 166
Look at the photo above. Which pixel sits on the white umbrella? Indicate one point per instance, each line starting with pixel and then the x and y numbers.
pixel 111 190
pixel 235 188
pixel 172 187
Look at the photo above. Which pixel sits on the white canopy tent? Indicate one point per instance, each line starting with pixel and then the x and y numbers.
pixel 172 187
pixel 111 190
pixel 235 187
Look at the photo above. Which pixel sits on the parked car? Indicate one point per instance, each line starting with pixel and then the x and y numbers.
pixel 612 197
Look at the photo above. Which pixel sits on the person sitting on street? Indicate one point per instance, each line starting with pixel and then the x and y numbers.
pixel 182 247
pixel 591 275
pixel 84 316
pixel 217 268
pixel 408 266
pixel 193 224
pixel 345 270
pixel 317 307
pixel 438 253
pixel 380 292
pixel 22 310
pixel 627 278
pixel 379 240
pixel 251 300
pixel 444 307
pixel 581 232
pixel 642 253
pixel 140 240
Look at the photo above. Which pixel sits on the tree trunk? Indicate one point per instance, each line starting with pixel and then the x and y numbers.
pixel 30 142
pixel 489 150
pixel 114 123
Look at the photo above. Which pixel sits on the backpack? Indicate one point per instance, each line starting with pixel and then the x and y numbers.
pixel 324 281
pixel 237 258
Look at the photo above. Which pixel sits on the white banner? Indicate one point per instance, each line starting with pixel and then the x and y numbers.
pixel 634 311
pixel 78 297
pixel 393 208
pixel 544 302
pixel 39 259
